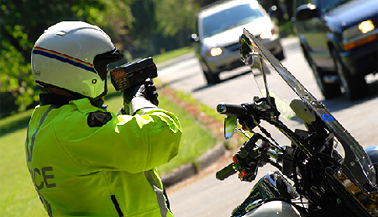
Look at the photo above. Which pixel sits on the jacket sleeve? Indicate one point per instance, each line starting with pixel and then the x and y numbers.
pixel 127 143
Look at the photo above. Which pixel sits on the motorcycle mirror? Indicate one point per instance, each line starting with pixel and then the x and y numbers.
pixel 302 111
pixel 230 124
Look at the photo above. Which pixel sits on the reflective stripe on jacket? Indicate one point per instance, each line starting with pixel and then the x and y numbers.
pixel 108 170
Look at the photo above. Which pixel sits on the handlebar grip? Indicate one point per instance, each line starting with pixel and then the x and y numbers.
pixel 226 172
pixel 230 109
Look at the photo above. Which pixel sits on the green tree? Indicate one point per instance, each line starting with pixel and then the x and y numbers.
pixel 144 26
pixel 160 25
pixel 144 23
pixel 23 21
pixel 177 18
pixel 141 27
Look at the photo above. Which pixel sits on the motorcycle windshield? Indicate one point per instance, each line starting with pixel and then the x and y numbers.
pixel 356 164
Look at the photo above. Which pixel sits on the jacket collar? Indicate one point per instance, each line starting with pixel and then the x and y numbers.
pixel 59 100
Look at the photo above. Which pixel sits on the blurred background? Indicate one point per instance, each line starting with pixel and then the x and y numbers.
pixel 139 28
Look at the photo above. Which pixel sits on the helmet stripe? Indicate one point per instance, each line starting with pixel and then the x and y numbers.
pixel 64 58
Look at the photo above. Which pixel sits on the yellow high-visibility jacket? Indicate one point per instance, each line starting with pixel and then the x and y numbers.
pixel 85 161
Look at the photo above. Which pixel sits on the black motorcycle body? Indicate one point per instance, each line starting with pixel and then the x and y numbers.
pixel 324 171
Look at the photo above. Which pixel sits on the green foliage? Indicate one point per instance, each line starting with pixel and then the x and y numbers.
pixel 286 29
pixel 144 23
pixel 16 81
pixel 116 20
pixel 137 27
pixel 22 22
pixel 177 18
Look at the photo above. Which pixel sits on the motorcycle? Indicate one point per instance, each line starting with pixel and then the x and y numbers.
pixel 323 171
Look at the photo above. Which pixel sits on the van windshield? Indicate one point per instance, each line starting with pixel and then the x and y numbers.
pixel 229 18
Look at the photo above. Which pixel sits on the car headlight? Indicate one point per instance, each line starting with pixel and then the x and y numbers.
pixel 366 26
pixel 362 28
pixel 355 36
pixel 216 51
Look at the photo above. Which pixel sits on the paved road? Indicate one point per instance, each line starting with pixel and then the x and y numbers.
pixel 210 197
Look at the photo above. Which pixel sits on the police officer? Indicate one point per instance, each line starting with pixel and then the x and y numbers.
pixel 83 160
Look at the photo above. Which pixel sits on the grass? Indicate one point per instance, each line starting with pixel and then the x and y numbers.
pixel 14 122
pixel 171 54
pixel 286 29
pixel 18 197
pixel 195 140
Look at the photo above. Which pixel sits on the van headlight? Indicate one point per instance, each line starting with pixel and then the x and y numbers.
pixel 266 34
pixel 216 51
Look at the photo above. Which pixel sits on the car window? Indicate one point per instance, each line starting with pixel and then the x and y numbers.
pixel 229 18
pixel 327 5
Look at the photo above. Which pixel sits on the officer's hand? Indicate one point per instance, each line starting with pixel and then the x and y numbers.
pixel 247 122
pixel 146 90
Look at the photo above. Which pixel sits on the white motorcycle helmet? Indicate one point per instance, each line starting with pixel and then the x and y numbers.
pixel 73 55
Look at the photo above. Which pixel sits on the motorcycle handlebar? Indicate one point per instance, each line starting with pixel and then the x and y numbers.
pixel 226 172
pixel 230 109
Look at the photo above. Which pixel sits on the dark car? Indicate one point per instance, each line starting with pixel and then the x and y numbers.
pixel 339 41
